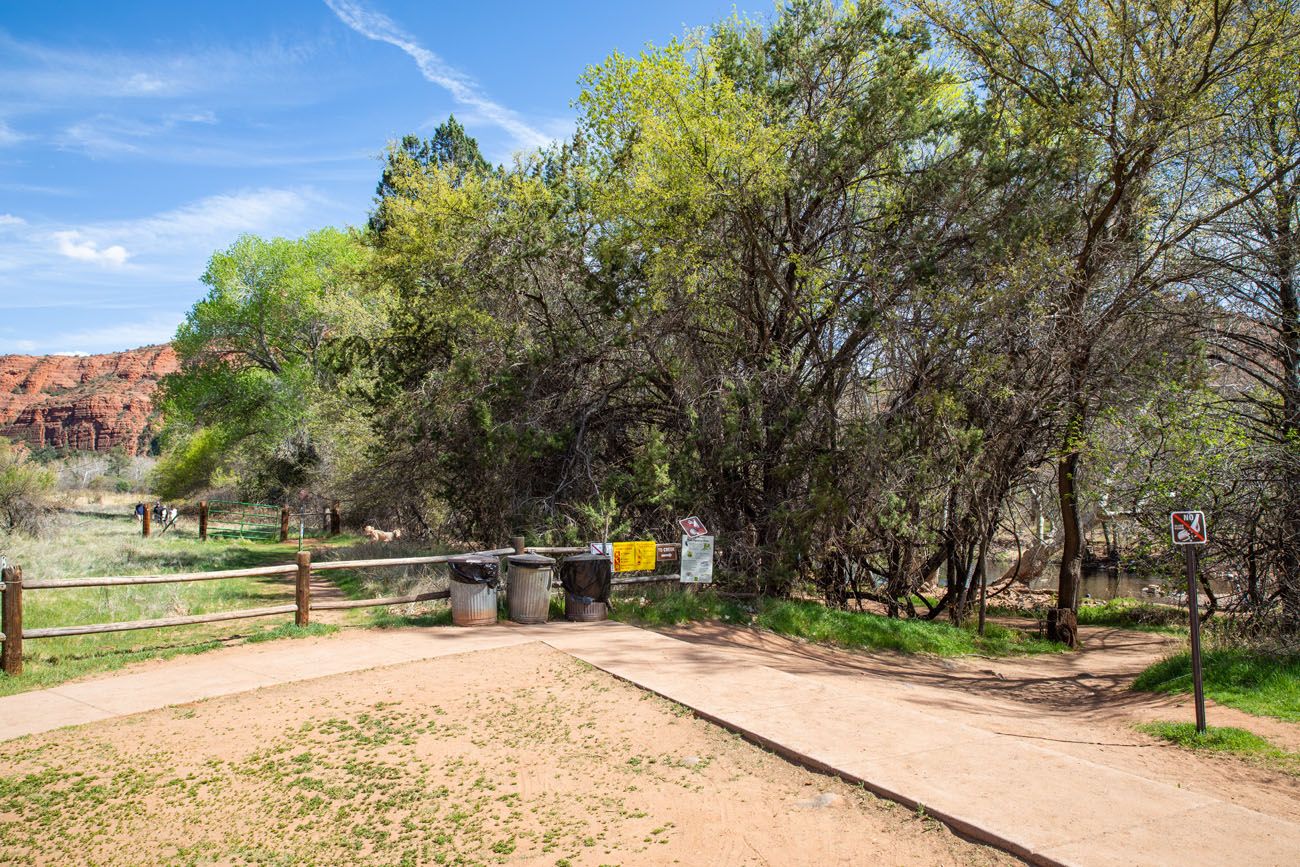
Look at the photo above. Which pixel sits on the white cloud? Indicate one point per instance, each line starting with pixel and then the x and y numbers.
pixel 71 245
pixel 462 88
pixel 8 136
pixel 9 220
pixel 159 328
pixel 217 219
pixel 143 84
pixel 94 139
pixel 39 75
pixel 124 264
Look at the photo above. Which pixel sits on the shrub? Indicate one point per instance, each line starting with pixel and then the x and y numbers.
pixel 25 487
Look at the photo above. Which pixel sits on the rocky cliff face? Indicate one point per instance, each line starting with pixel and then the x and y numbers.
pixel 93 402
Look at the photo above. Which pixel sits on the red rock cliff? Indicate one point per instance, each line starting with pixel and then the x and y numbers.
pixel 93 402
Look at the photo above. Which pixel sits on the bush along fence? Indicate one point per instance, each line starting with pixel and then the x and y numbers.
pixel 12 633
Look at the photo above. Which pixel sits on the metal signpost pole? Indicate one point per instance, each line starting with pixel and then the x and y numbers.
pixel 1189 530
pixel 1194 611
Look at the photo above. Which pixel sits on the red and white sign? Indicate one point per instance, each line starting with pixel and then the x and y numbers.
pixel 693 527
pixel 1188 528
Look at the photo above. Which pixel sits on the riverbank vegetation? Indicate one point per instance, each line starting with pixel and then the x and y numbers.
pixel 812 621
pixel 1257 682
pixel 872 288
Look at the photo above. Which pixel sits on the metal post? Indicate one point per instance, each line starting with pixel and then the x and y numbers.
pixel 11 620
pixel 1194 610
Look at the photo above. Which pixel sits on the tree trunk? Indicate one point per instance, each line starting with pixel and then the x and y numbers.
pixel 1059 626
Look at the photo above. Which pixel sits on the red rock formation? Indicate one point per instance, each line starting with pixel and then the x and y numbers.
pixel 94 402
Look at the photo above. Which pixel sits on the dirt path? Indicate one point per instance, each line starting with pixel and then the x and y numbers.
pixel 519 755
pixel 1078 702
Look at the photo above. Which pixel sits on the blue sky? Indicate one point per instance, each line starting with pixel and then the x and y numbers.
pixel 138 137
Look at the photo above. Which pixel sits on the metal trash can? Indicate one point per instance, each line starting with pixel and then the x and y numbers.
pixel 474 582
pixel 586 579
pixel 528 587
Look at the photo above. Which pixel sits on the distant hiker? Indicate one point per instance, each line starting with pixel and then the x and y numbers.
pixel 173 515
pixel 139 511
pixel 158 511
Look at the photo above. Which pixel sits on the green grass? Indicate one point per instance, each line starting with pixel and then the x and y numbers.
pixel 851 629
pixel 105 540
pixel 1228 740
pixel 1135 614
pixel 1255 683
pixel 390 581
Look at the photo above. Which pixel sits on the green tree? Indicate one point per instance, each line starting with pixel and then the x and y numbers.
pixel 255 364
pixel 1126 100
pixel 451 149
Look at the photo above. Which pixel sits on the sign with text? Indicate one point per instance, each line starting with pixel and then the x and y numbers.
pixel 693 526
pixel 1188 528
pixel 697 560
pixel 665 553
pixel 634 556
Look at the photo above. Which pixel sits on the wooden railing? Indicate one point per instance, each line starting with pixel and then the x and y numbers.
pixel 13 634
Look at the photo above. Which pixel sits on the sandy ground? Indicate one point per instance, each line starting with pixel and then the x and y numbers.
pixel 518 755
pixel 1080 702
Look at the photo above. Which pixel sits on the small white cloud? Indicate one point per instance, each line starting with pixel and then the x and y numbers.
pixel 17 347
pixel 100 137
pixel 142 84
pixel 71 245
pixel 160 328
pixel 8 135
pixel 9 220
pixel 208 117
pixel 72 354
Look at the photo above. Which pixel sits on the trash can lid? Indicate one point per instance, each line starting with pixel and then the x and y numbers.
pixel 586 558
pixel 535 560
pixel 472 559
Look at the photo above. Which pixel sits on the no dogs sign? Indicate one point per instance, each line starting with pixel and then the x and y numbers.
pixel 1188 528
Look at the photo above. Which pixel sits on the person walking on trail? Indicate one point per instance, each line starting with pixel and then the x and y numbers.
pixel 139 511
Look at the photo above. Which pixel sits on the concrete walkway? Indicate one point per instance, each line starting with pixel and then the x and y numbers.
pixel 1043 804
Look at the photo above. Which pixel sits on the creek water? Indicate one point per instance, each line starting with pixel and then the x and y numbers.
pixel 1106 584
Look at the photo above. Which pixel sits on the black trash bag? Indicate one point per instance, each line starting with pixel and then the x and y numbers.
pixel 475 570
pixel 586 577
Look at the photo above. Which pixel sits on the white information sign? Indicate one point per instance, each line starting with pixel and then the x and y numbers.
pixel 606 548
pixel 697 559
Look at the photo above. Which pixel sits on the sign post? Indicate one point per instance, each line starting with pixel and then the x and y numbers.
pixel 1188 530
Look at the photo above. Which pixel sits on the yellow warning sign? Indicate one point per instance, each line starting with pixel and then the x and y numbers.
pixel 634 556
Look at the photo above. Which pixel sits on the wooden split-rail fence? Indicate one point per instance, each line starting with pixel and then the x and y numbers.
pixel 12 633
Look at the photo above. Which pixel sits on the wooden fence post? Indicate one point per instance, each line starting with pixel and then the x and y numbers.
pixel 334 518
pixel 284 523
pixel 517 542
pixel 11 621
pixel 203 520
pixel 144 524
pixel 302 590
